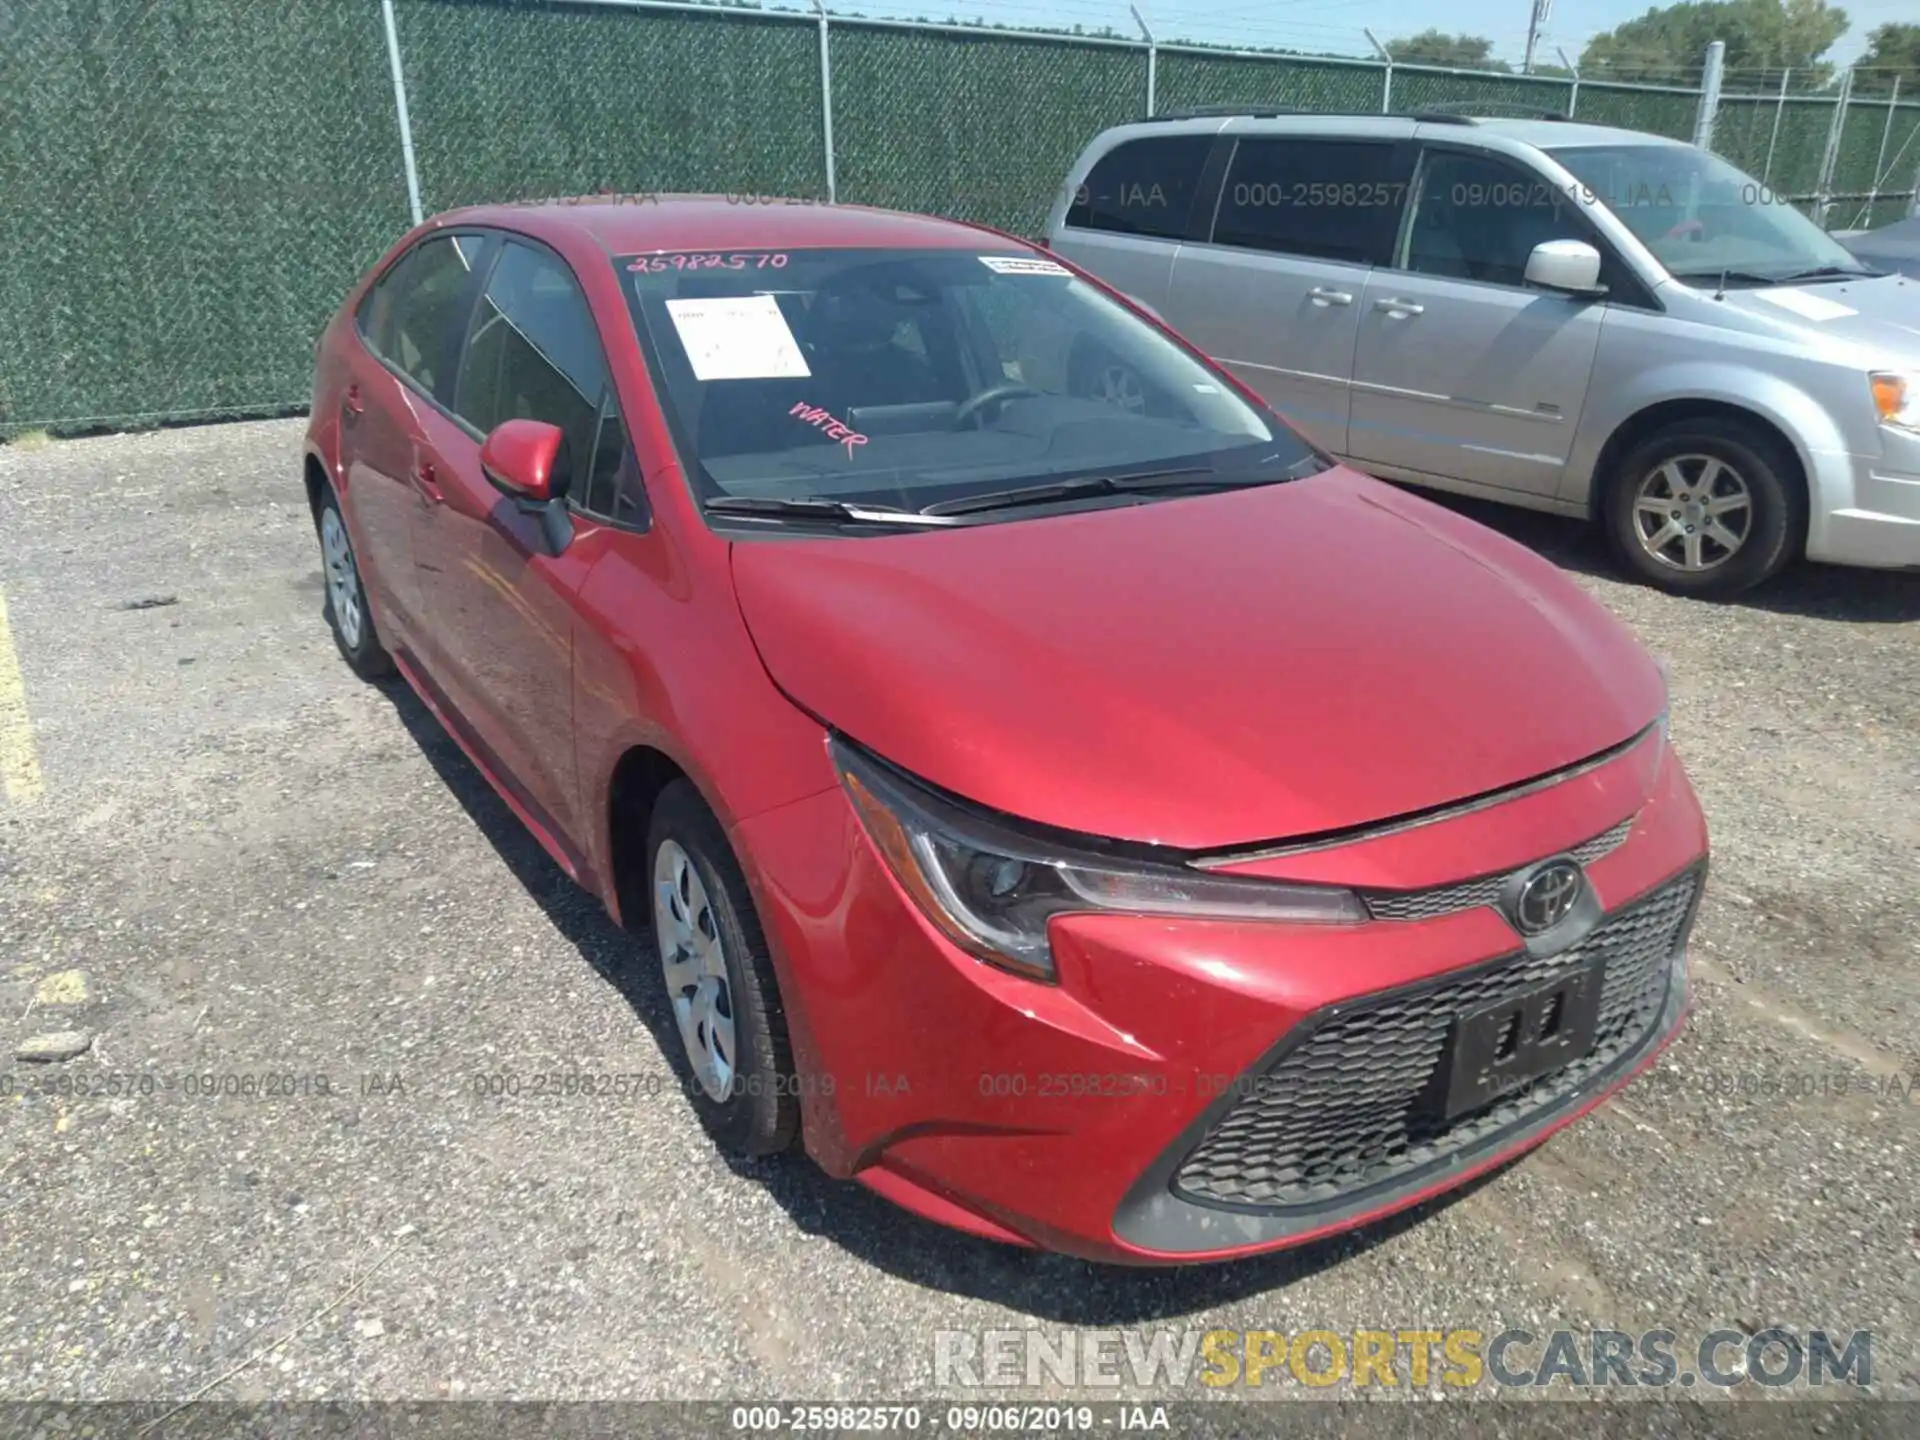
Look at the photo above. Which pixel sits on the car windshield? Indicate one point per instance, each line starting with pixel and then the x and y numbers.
pixel 816 379
pixel 1703 218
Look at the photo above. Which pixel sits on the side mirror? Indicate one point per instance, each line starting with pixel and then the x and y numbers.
pixel 527 460
pixel 1572 266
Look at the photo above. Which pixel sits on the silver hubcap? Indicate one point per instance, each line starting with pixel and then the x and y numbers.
pixel 343 581
pixel 695 970
pixel 1117 385
pixel 1692 513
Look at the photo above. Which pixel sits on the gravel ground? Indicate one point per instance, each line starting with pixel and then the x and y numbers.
pixel 243 861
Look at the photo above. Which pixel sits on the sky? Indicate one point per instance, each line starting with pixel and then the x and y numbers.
pixel 1337 26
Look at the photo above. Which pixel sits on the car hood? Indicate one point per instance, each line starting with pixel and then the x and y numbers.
pixel 1206 671
pixel 1881 315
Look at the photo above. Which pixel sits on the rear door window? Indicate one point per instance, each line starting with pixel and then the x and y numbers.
pixel 1320 199
pixel 1143 187
pixel 413 315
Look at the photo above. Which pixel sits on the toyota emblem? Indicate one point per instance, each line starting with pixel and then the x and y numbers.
pixel 1548 897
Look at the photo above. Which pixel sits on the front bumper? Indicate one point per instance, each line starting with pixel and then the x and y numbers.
pixel 1062 1115
pixel 1871 515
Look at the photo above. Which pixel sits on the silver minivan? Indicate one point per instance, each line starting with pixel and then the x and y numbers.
pixel 1578 319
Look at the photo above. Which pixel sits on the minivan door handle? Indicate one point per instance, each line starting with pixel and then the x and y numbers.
pixel 1398 307
pixel 1324 296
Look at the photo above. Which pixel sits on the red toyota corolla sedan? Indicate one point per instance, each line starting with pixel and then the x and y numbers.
pixel 1057 796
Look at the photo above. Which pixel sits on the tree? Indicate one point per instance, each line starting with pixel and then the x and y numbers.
pixel 1892 50
pixel 1436 47
pixel 1671 45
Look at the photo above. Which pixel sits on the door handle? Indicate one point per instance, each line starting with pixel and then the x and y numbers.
pixel 352 403
pixel 1323 296
pixel 1399 307
pixel 427 481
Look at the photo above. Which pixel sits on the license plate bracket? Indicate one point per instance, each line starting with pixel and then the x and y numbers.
pixel 1499 1048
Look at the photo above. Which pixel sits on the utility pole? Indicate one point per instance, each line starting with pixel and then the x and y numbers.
pixel 1541 9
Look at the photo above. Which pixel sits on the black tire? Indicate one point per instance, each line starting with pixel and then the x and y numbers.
pixel 760 1113
pixel 1777 521
pixel 359 643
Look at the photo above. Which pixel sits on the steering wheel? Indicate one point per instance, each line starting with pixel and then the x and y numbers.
pixel 1687 229
pixel 992 395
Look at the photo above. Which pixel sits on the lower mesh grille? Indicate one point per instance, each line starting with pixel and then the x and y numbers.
pixel 1346 1109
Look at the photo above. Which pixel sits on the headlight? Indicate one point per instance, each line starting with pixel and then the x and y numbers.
pixel 991 887
pixel 1896 398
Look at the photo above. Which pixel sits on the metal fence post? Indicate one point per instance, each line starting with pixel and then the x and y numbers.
pixel 400 106
pixel 826 99
pixel 1880 160
pixel 1779 111
pixel 1153 56
pixel 1386 88
pixel 1830 158
pixel 1709 95
pixel 1573 95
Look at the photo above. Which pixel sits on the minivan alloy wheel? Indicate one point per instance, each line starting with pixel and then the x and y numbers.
pixel 343 583
pixel 688 934
pixel 1117 385
pixel 1692 512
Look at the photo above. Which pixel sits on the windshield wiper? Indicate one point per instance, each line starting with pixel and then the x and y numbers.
pixel 1198 477
pixel 813 507
pixel 1795 277
pixel 1831 272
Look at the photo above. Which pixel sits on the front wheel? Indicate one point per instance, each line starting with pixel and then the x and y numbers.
pixel 1706 507
pixel 734 1053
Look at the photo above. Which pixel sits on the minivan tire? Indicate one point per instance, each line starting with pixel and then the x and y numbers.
pixel 1777 506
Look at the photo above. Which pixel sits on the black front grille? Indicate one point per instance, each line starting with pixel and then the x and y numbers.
pixel 1348 1107
pixel 1471 894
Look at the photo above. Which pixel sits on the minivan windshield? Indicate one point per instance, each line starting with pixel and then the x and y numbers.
pixel 799 383
pixel 1703 218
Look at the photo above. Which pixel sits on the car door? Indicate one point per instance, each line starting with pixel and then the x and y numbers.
pixel 1461 368
pixel 410 325
pixel 1274 293
pixel 497 596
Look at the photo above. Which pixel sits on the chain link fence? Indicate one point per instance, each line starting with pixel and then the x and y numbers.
pixel 190 185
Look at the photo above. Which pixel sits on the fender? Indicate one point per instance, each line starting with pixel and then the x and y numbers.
pixel 1802 419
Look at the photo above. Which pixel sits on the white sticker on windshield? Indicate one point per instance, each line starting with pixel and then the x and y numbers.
pixel 737 337
pixel 1812 307
pixel 1022 265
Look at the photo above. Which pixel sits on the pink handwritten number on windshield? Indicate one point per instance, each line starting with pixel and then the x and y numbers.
pixel 818 418
pixel 709 260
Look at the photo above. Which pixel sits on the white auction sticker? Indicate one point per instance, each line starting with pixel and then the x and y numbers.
pixel 743 337
pixel 1813 307
pixel 1022 265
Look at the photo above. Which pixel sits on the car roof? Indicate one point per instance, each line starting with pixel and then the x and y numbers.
pixel 631 224
pixel 1559 134
pixel 1543 132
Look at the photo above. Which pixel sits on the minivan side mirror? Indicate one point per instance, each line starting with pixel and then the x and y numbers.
pixel 1572 266
pixel 526 460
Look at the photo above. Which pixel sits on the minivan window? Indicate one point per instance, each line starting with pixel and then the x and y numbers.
pixel 1702 217
pixel 534 354
pixel 1477 217
pixel 902 379
pixel 1142 187
pixel 411 316
pixel 1323 199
